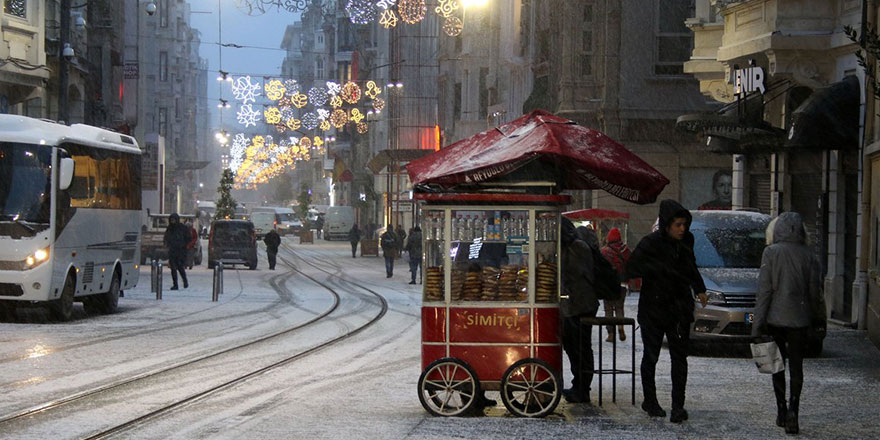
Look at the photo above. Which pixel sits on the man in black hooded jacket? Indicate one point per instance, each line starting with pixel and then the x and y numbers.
pixel 665 261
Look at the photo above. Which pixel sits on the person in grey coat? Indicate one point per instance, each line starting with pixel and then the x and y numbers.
pixel 580 301
pixel 789 301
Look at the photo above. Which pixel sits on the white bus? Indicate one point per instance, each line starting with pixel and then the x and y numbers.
pixel 70 201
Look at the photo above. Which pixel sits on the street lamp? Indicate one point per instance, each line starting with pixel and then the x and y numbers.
pixel 150 7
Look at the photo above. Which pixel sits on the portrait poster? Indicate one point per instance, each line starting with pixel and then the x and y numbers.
pixel 706 188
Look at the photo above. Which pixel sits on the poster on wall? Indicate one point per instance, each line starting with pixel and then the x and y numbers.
pixel 706 188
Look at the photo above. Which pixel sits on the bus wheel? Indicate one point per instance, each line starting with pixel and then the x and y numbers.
pixel 110 299
pixel 62 308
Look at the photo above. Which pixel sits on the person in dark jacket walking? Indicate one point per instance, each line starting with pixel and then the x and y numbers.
pixel 414 248
pixel 617 253
pixel 354 236
pixel 789 301
pixel 665 261
pixel 580 301
pixel 400 236
pixel 272 240
pixel 388 241
pixel 176 237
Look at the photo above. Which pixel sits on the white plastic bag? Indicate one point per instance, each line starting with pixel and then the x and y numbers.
pixel 767 357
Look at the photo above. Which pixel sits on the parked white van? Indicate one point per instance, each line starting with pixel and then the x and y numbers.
pixel 263 223
pixel 338 222
pixel 286 221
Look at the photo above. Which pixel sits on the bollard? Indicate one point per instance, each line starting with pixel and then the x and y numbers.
pixel 159 281
pixel 218 281
pixel 153 263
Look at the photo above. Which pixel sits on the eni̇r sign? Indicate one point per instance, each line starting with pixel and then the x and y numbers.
pixel 748 80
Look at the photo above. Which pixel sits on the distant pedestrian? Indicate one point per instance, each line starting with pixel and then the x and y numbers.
pixel 272 240
pixel 354 236
pixel 176 238
pixel 578 286
pixel 388 240
pixel 665 261
pixel 414 249
pixel 400 236
pixel 789 302
pixel 319 225
pixel 617 253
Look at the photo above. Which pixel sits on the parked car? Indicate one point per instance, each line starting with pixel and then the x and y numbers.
pixel 263 223
pixel 338 222
pixel 728 246
pixel 153 244
pixel 232 242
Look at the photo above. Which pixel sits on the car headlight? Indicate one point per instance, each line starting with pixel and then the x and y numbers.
pixel 716 298
pixel 36 258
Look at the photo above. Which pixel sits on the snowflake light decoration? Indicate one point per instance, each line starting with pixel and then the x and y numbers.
pixel 445 8
pixel 325 125
pixel 362 127
pixel 310 121
pixel 272 115
pixel 247 116
pixel 318 96
pixel 323 114
pixel 378 104
pixel 333 88
pixel 388 19
pixel 239 143
pixel 452 26
pixel 356 116
pixel 339 118
pixel 274 89
pixel 291 86
pixel 372 89
pixel 299 100
pixel 412 11
pixel 361 11
pixel 287 113
pixel 351 93
pixel 244 90
pixel 293 124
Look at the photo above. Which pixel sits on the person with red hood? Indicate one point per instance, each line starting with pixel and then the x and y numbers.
pixel 617 253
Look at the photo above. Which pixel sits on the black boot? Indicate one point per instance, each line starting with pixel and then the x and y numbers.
pixel 791 419
pixel 779 390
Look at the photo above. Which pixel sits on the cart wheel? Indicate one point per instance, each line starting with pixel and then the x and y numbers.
pixel 530 388
pixel 448 387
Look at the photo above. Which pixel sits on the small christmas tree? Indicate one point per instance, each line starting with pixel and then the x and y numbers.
pixel 225 203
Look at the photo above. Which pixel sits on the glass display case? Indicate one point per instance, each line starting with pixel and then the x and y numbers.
pixel 490 254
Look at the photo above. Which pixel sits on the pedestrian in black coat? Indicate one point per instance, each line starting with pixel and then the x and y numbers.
pixel 176 237
pixel 388 241
pixel 272 240
pixel 578 286
pixel 665 261
pixel 414 248
pixel 354 236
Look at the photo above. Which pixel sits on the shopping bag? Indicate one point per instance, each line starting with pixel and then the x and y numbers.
pixel 767 357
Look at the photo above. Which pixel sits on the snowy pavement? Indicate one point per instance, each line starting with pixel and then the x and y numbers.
pixel 365 386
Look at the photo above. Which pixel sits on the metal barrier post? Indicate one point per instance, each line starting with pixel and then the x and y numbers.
pixel 153 271
pixel 218 281
pixel 159 280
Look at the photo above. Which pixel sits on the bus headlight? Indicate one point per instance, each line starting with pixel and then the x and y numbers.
pixel 36 258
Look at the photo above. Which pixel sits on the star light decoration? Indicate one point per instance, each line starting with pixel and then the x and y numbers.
pixel 412 11
pixel 247 116
pixel 361 11
pixel 351 92
pixel 244 90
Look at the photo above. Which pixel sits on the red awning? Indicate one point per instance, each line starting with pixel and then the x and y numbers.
pixel 595 214
pixel 583 157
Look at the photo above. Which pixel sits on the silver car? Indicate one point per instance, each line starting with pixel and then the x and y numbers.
pixel 728 246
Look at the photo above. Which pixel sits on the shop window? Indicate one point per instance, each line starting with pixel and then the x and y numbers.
pixel 674 41
pixel 163 66
pixel 17 8
pixel 104 179
pixel 319 68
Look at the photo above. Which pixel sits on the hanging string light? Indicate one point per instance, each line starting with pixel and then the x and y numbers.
pixel 274 90
pixel 336 101
pixel 445 8
pixel 272 115
pixel 412 11
pixel 356 116
pixel 378 104
pixel 318 96
pixel 299 100
pixel 339 118
pixel 325 125
pixel 294 124
pixel 362 127
pixel 310 121
pixel 351 92
pixel 361 11
pixel 388 19
pixel 452 25
pixel 247 116
pixel 372 90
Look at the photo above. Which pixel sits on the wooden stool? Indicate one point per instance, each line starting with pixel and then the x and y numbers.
pixel 602 321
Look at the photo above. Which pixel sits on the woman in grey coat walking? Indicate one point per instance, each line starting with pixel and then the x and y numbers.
pixel 789 302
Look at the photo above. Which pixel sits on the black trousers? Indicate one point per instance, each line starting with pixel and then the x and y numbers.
pixel 354 248
pixel 678 337
pixel 271 256
pixel 414 263
pixel 177 263
pixel 389 265
pixel 579 349
pixel 792 343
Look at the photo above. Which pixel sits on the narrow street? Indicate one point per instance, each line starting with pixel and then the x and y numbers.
pixel 362 386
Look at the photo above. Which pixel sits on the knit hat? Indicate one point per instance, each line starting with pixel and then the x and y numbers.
pixel 613 235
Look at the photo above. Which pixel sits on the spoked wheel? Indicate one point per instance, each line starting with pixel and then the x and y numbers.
pixel 530 388
pixel 448 387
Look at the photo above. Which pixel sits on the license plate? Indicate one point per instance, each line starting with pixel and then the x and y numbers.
pixel 750 317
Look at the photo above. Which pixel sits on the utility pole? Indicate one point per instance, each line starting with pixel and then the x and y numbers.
pixel 64 38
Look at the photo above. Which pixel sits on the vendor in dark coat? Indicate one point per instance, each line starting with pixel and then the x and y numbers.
pixel 580 301
pixel 665 261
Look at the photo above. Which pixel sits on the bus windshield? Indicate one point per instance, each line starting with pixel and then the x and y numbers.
pixel 25 187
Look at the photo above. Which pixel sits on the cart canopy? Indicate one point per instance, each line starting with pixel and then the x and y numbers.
pixel 579 157
pixel 596 214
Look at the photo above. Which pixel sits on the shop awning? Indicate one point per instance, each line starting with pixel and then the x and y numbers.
pixel 828 119
pixel 579 158
pixel 385 157
pixel 736 128
pixel 595 214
